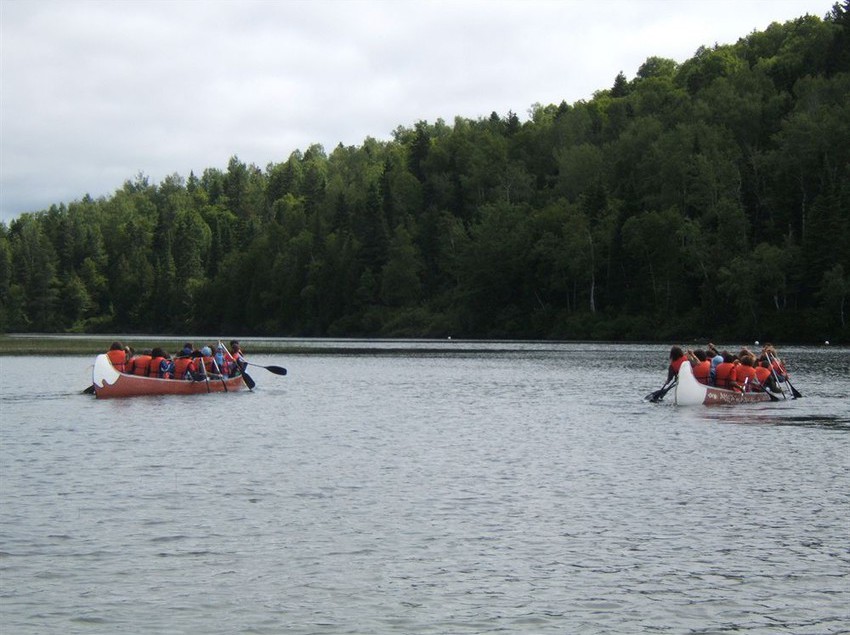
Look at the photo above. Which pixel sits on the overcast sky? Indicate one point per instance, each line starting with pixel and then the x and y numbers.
pixel 93 93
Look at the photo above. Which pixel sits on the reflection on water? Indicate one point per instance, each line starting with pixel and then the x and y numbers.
pixel 812 421
pixel 496 487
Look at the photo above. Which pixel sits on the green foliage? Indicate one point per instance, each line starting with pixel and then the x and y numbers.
pixel 710 197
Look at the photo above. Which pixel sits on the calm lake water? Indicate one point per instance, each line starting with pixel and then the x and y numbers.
pixel 426 487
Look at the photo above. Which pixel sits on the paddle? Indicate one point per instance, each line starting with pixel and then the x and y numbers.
pixel 220 375
pixel 204 371
pixel 794 392
pixel 757 387
pixel 658 395
pixel 89 390
pixel 775 377
pixel 766 389
pixel 277 370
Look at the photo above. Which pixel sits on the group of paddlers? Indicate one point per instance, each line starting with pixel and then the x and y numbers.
pixel 745 371
pixel 190 363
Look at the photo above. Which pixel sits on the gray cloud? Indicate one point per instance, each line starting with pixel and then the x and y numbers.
pixel 95 92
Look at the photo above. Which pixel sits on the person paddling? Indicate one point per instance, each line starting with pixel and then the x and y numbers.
pixel 677 358
pixel 117 356
pixel 237 356
pixel 184 363
pixel 702 366
pixel 745 374
pixel 725 375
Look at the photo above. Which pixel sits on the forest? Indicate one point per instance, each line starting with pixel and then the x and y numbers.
pixel 703 199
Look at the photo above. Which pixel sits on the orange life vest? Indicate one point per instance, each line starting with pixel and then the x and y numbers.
pixel 118 360
pixel 724 375
pixel 702 371
pixel 140 365
pixel 677 363
pixel 156 362
pixel 779 369
pixel 209 364
pixel 182 365
pixel 763 375
pixel 745 376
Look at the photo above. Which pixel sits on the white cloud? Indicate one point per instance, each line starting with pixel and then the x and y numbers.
pixel 94 92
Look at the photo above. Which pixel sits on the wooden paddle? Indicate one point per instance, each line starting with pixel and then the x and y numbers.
pixel 220 375
pixel 204 371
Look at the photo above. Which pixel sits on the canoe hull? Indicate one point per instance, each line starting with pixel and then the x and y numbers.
pixel 689 392
pixel 110 384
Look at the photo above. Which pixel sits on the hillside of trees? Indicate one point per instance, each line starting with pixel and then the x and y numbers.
pixel 707 199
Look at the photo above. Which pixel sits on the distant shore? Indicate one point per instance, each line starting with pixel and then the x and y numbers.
pixel 51 344
pixel 73 344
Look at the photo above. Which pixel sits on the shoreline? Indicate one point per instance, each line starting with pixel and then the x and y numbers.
pixel 89 345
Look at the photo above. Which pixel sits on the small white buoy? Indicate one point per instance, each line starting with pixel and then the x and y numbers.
pixel 826 343
pixel 450 337
pixel 758 343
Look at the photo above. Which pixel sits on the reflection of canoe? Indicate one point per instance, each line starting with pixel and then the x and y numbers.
pixel 689 392
pixel 108 383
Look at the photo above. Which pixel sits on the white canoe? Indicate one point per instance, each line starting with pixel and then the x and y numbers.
pixel 689 392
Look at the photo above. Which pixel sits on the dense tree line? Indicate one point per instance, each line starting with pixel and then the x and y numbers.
pixel 702 199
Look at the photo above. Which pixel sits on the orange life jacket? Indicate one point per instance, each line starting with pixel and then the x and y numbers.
pixel 677 363
pixel 745 376
pixel 209 364
pixel 702 371
pixel 118 360
pixel 724 375
pixel 763 375
pixel 140 365
pixel 156 362
pixel 779 369
pixel 182 365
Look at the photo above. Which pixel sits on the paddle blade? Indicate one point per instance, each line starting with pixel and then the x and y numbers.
pixel 89 390
pixel 277 370
pixel 795 392
pixel 658 395
pixel 248 381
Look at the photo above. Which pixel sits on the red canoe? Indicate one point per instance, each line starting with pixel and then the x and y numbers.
pixel 109 383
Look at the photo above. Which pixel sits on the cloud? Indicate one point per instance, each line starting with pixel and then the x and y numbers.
pixel 94 92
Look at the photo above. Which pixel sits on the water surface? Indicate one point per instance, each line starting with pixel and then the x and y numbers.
pixel 426 487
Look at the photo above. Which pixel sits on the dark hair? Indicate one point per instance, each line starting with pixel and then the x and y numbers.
pixel 157 352
pixel 116 346
pixel 676 352
pixel 700 355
